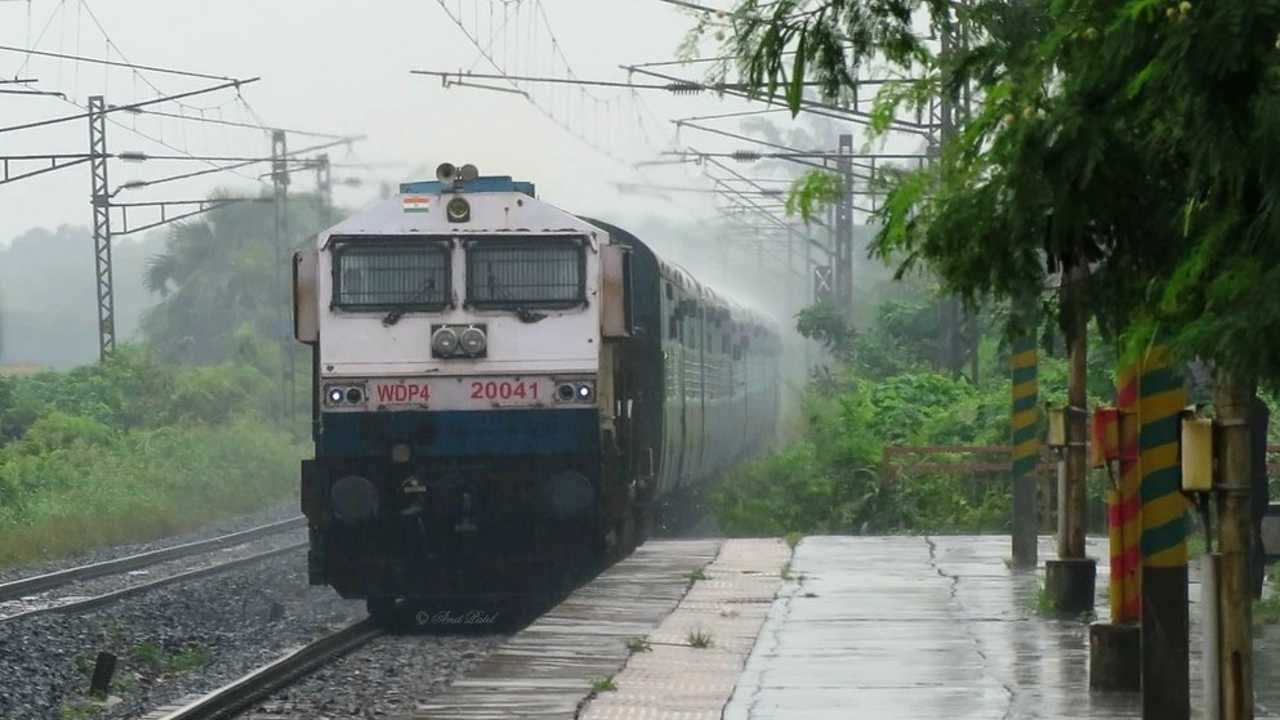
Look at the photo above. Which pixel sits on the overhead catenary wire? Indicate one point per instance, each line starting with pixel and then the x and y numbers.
pixel 120 108
pixel 113 63
pixel 137 184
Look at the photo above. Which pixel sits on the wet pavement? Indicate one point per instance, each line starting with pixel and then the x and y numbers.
pixel 549 668
pixel 898 628
pixel 690 663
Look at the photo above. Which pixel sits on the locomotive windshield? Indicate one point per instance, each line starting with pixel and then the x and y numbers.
pixel 541 272
pixel 387 274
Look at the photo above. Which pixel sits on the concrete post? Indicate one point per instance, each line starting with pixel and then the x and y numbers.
pixel 1115 647
pixel 1026 450
pixel 1165 654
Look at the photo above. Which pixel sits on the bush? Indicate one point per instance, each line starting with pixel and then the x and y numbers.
pixel 132 449
pixel 833 480
pixel 141 485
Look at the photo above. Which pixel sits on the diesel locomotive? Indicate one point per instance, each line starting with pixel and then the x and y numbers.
pixel 506 393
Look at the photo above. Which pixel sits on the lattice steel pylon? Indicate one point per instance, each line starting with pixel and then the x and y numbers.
pixel 843 260
pixel 101 202
pixel 280 188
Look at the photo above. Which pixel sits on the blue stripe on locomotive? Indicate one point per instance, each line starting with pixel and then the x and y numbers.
pixel 461 433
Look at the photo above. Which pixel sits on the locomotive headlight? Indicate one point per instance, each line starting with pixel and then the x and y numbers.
pixel 355 396
pixel 565 393
pixel 335 395
pixel 458 210
pixel 473 341
pixel 444 341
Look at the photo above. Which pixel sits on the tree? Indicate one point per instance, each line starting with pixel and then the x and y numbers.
pixel 216 279
pixel 1135 139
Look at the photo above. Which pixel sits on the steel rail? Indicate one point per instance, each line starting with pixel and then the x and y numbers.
pixel 97 601
pixel 39 583
pixel 277 674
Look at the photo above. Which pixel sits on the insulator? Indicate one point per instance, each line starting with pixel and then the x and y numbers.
pixel 745 156
pixel 684 87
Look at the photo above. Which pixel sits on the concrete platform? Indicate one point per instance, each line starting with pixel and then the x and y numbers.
pixel 547 670
pixel 884 628
pixel 907 628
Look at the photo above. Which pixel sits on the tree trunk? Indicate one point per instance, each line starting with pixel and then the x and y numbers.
pixel 1231 401
pixel 1073 502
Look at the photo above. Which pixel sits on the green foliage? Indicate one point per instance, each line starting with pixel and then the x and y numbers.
pixel 1045 604
pixel 604 684
pixel 832 481
pixel 140 485
pixel 216 278
pixel 131 449
pixel 158 659
pixel 638 644
pixel 812 191
pixel 699 638
pixel 1133 138
pixel 823 323
pixel 79 710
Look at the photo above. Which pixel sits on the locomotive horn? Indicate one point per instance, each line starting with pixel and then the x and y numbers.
pixel 446 172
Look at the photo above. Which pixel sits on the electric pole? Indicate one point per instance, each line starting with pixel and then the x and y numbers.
pixel 280 197
pixel 843 259
pixel 101 201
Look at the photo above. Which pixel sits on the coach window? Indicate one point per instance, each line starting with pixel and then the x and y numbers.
pixel 380 273
pixel 535 272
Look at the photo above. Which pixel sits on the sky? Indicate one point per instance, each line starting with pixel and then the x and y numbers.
pixel 343 67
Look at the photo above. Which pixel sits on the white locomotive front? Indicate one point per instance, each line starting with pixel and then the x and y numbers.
pixel 507 394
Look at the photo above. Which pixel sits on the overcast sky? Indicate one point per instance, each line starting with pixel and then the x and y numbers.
pixel 343 67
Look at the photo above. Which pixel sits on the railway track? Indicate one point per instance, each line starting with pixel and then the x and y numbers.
pixel 49 581
pixel 240 693
pixel 95 601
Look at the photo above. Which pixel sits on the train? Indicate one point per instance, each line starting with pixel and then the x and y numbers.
pixel 506 393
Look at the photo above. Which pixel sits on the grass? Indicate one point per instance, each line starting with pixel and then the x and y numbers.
pixel 638 644
pixel 696 575
pixel 786 573
pixel 1045 605
pixel 699 638
pixel 159 660
pixel 137 486
pixel 604 684
pixel 793 539
pixel 1267 610
pixel 79 710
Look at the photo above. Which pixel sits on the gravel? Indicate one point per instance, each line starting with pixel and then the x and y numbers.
pixel 388 677
pixel 176 641
pixel 119 581
pixel 279 511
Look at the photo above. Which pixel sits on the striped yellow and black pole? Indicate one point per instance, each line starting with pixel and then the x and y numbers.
pixel 1161 397
pixel 1026 450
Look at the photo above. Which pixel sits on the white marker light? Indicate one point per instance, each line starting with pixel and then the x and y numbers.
pixel 335 395
pixel 584 392
pixel 444 341
pixel 473 341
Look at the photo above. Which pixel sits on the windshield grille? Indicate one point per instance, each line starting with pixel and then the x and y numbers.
pixel 528 273
pixel 384 276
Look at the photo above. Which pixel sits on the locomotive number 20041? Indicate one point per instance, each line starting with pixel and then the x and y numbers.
pixel 466 393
